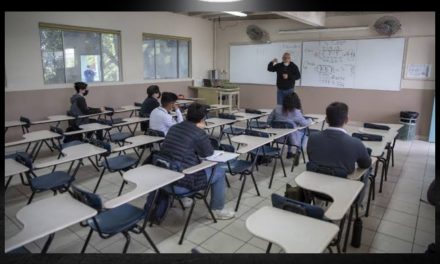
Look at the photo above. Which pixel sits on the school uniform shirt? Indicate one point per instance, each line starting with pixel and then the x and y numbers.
pixel 161 120
pixel 148 106
pixel 185 143
pixel 334 147
pixel 291 70
pixel 294 117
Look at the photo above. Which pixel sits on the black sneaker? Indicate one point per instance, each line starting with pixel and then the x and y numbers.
pixel 289 155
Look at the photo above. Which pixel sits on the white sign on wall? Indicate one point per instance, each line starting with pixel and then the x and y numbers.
pixel 418 71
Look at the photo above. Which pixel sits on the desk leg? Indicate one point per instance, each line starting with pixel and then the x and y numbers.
pixel 244 180
pixel 347 232
pixel 47 244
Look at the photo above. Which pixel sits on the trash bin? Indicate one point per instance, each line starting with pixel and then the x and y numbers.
pixel 409 121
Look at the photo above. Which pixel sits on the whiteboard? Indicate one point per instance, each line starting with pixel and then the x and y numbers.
pixel 362 64
pixel 248 63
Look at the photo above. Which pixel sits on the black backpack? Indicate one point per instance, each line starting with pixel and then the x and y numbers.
pixel 163 200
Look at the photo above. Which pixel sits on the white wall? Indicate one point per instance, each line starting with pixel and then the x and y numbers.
pixel 414 25
pixel 22 42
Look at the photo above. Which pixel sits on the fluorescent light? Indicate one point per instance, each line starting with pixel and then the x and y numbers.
pixel 284 31
pixel 220 1
pixel 235 13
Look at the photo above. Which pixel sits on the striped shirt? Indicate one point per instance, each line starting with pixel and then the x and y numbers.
pixel 185 143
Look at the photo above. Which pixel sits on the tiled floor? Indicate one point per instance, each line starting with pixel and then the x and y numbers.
pixel 400 218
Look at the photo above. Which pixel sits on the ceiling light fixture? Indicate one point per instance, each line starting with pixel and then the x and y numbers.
pixel 220 1
pixel 235 13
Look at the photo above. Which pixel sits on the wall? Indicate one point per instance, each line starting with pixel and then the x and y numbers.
pixel 26 94
pixel 367 105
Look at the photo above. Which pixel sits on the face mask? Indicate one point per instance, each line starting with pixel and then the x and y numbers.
pixel 286 64
pixel 86 93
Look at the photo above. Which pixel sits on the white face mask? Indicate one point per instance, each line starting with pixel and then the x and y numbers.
pixel 286 64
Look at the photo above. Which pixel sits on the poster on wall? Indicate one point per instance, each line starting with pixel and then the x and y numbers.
pixel 418 71
pixel 90 68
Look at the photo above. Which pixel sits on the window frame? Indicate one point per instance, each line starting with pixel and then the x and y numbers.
pixel 154 37
pixel 100 31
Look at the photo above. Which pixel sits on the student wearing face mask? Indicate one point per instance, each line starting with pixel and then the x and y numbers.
pixel 79 107
pixel 287 74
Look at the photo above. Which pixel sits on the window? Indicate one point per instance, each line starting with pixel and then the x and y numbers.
pixel 166 57
pixel 72 54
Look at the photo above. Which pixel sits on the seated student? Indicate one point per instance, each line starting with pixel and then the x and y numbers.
pixel 334 147
pixel 290 112
pixel 161 118
pixel 79 107
pixel 185 143
pixel 151 102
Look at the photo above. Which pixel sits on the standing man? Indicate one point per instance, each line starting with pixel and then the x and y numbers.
pixel 287 74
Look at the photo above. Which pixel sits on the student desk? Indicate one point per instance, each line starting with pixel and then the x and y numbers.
pixel 343 192
pixel 127 108
pixel 13 167
pixel 72 154
pixel 53 119
pixel 295 233
pixel 248 117
pixel 92 127
pixel 250 142
pixel 214 107
pixel 37 137
pixel 130 121
pixel 213 122
pixel 184 102
pixel 47 216
pixel 138 141
pixel 147 178
pixel 317 118
pixel 14 123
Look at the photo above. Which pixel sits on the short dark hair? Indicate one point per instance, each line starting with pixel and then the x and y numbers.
pixel 168 98
pixel 196 112
pixel 80 86
pixel 337 114
pixel 153 89
pixel 291 102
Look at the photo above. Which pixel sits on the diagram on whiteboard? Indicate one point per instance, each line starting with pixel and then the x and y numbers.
pixel 329 64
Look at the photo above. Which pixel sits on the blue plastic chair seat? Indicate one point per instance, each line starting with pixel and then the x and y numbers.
pixel 268 151
pixel 117 219
pixel 237 166
pixel 233 131
pixel 52 180
pixel 70 144
pixel 311 210
pixel 120 136
pixel 119 162
pixel 259 124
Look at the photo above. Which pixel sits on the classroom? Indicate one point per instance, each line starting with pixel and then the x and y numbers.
pixel 245 132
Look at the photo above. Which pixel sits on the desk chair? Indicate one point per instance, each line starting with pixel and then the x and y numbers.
pixel 118 164
pixel 13 156
pixel 25 129
pixel 57 181
pixel 298 207
pixel 62 146
pixel 161 160
pixel 236 167
pixel 118 137
pixel 299 149
pixel 267 151
pixel 153 133
pixel 107 223
pixel 255 123
pixel 235 131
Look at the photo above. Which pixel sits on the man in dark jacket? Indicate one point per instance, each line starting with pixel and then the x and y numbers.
pixel 335 148
pixel 149 104
pixel 287 74
pixel 185 142
pixel 79 107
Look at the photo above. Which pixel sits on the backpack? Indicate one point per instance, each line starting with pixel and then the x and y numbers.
pixel 163 200
pixel 296 193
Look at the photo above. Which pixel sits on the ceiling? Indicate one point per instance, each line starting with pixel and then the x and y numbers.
pixel 262 15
